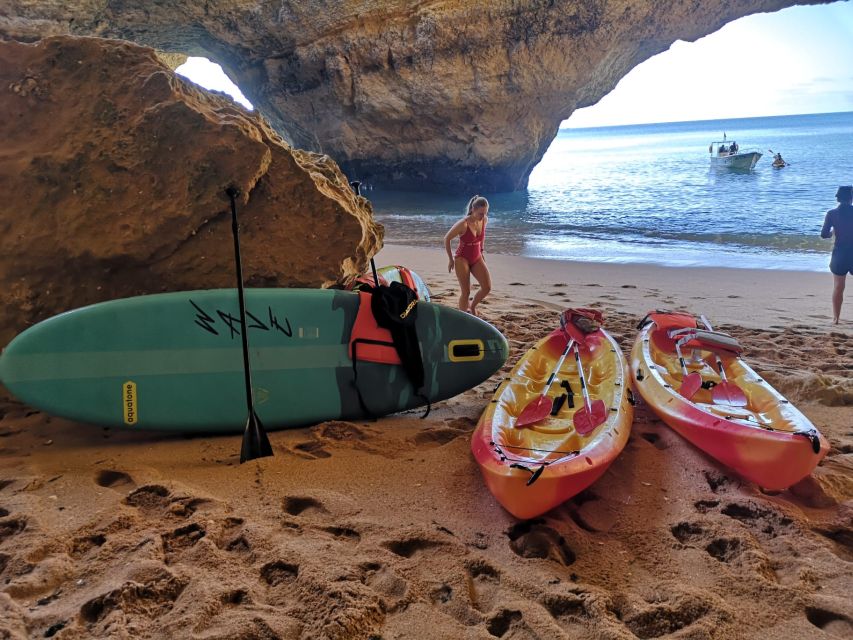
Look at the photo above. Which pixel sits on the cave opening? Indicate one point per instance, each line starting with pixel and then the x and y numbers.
pixel 208 74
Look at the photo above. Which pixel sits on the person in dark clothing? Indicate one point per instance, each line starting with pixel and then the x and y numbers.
pixel 839 223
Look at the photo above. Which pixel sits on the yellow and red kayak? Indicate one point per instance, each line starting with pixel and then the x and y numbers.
pixel 533 468
pixel 752 428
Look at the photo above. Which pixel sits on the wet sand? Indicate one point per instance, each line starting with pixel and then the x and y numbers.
pixel 384 529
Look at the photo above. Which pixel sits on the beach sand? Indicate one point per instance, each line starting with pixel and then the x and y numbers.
pixel 384 529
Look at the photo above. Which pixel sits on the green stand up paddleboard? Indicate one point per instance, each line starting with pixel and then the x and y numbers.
pixel 173 361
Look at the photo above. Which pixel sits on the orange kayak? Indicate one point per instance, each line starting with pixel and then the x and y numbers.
pixel 533 468
pixel 753 429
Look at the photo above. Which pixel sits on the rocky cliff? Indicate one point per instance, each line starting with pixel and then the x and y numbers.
pixel 413 94
pixel 113 173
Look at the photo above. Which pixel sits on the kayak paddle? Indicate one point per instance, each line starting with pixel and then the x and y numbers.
pixel 540 408
pixel 725 392
pixel 690 382
pixel 256 444
pixel 592 414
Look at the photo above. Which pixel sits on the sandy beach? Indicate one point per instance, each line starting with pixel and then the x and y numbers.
pixel 384 529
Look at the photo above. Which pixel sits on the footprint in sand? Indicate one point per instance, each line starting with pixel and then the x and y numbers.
pixel 564 607
pixel 704 506
pixel 112 479
pixel 437 437
pixel 656 440
pixel 155 596
pixel 149 496
pixel 310 450
pixel 716 481
pixel 509 622
pixel 767 522
pixel 152 497
pixel 383 580
pixel 303 505
pixel 688 532
pixel 666 616
pixel 517 284
pixel 441 594
pixel 81 545
pixel 279 572
pixel 11 527
pixel 182 538
pixel 408 548
pixel 340 430
pixel 842 539
pixel 728 549
pixel 830 622
pixel 345 534
pixel 533 539
pixel 483 582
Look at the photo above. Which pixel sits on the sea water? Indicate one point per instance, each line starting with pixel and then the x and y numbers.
pixel 648 193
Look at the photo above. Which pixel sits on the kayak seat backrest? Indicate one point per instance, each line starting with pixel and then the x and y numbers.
pixel 368 341
pixel 708 340
pixel 665 322
pixel 407 279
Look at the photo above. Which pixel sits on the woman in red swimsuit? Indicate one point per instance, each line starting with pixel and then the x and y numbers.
pixel 468 259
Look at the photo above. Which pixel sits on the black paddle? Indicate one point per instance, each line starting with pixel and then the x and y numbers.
pixel 356 186
pixel 256 444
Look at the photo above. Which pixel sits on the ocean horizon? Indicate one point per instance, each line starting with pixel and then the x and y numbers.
pixel 646 193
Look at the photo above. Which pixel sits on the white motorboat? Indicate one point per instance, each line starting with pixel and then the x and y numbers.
pixel 729 155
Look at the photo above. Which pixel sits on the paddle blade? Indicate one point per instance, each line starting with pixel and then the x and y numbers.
pixel 690 384
pixel 587 419
pixel 536 411
pixel 256 444
pixel 729 393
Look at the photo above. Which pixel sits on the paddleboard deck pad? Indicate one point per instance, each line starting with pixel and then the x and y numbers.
pixel 173 361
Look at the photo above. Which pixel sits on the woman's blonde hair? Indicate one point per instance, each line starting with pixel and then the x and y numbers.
pixel 476 201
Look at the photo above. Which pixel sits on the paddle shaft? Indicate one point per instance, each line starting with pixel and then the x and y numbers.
pixel 718 359
pixel 559 364
pixel 582 378
pixel 684 370
pixel 244 335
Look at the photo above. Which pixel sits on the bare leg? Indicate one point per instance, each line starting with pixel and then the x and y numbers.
pixel 837 296
pixel 481 272
pixel 463 274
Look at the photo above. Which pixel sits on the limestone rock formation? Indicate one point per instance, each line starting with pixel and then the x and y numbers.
pixel 414 94
pixel 113 172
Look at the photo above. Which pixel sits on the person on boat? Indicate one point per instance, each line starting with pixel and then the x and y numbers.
pixel 778 161
pixel 468 259
pixel 839 222
pixel 723 149
pixel 733 148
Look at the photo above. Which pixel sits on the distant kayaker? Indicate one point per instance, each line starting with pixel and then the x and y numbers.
pixel 468 259
pixel 839 223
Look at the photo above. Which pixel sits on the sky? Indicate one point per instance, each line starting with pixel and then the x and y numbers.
pixel 798 60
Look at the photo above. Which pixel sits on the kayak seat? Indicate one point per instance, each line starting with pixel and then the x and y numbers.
pixel 713 341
